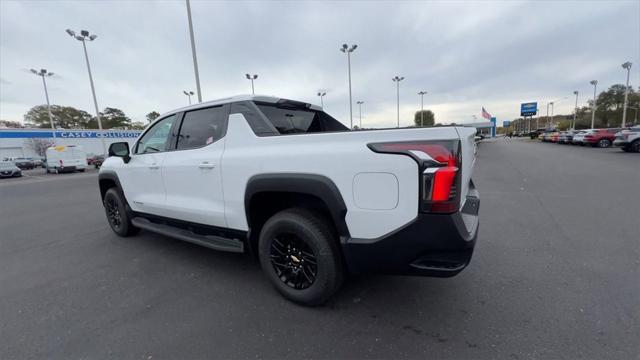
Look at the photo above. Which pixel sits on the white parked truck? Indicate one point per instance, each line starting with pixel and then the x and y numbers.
pixel 311 199
pixel 65 158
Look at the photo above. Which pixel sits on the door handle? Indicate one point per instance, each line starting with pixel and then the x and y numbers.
pixel 206 165
pixel 154 166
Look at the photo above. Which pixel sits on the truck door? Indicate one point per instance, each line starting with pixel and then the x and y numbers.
pixel 192 173
pixel 141 177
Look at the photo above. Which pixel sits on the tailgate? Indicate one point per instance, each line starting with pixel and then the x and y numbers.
pixel 467 141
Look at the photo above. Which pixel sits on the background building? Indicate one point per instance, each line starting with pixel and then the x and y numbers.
pixel 33 142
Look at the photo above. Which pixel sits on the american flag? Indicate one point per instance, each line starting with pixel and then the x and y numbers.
pixel 485 114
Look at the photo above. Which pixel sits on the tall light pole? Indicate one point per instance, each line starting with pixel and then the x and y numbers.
pixel 360 113
pixel 84 37
pixel 252 78
pixel 322 94
pixel 397 80
pixel 626 66
pixel 548 123
pixel 575 111
pixel 422 93
pixel 193 52
pixel 189 94
pixel 348 50
pixel 44 74
pixel 593 107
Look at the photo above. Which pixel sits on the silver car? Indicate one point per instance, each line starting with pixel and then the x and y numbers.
pixel 9 169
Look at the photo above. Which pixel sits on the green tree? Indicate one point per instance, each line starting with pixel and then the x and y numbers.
pixel 429 118
pixel 152 116
pixel 137 125
pixel 66 117
pixel 111 118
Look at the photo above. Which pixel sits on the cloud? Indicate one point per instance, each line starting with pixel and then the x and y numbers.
pixel 465 54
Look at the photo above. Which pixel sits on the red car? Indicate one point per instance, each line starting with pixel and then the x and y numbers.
pixel 554 137
pixel 600 137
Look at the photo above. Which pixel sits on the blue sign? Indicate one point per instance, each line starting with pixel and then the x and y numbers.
pixel 506 123
pixel 528 109
pixel 69 134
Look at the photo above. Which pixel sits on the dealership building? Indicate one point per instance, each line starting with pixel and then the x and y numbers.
pixel 26 142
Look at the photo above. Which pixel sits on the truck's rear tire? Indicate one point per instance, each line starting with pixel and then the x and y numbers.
pixel 299 254
pixel 117 215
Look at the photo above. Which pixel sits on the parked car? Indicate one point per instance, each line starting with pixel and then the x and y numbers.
pixel 65 158
pixel 579 137
pixel 536 133
pixel 629 139
pixel 9 169
pixel 312 199
pixel 97 161
pixel 553 137
pixel 24 163
pixel 566 136
pixel 600 137
pixel 37 161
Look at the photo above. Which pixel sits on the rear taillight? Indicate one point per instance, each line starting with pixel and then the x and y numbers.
pixel 439 164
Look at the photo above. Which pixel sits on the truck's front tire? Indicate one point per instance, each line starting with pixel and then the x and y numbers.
pixel 117 215
pixel 299 254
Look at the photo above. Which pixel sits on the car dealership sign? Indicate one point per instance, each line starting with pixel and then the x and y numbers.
pixel 528 109
pixel 69 134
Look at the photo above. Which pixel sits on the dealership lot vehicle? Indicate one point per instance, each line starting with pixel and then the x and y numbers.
pixel 65 158
pixel 600 137
pixel 9 169
pixel 578 139
pixel 263 176
pixel 628 139
pixel 22 163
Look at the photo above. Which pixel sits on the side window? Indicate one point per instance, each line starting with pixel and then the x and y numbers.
pixel 157 138
pixel 203 127
pixel 259 126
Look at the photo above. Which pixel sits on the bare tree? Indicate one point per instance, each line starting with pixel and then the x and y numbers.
pixel 39 145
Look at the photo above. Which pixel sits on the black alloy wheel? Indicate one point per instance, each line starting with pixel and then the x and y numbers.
pixel 294 261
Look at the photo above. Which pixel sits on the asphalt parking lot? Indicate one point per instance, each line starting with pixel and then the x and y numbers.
pixel 555 275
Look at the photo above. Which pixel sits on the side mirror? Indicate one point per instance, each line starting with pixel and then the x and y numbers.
pixel 120 149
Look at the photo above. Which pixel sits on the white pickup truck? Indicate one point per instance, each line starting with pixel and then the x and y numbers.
pixel 311 199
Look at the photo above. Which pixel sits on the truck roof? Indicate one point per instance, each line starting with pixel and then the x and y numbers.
pixel 237 98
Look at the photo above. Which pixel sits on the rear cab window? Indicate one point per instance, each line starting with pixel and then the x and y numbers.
pixel 203 127
pixel 291 117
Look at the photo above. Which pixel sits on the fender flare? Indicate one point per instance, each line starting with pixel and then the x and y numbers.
pixel 308 184
pixel 111 176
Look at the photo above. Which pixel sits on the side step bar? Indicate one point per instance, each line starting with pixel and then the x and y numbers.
pixel 210 241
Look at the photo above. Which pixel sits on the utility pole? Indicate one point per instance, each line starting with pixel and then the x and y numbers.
pixel 626 66
pixel 575 111
pixel 348 50
pixel 84 37
pixel 360 113
pixel 43 74
pixel 593 107
pixel 193 52
pixel 397 80
pixel 422 93
pixel 252 78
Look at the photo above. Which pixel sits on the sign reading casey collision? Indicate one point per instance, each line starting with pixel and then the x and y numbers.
pixel 69 134
pixel 528 109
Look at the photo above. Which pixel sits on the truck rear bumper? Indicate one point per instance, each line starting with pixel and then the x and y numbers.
pixel 431 245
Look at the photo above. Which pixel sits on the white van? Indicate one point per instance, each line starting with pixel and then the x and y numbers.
pixel 65 158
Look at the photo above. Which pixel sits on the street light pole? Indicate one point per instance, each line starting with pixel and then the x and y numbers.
pixel 627 66
pixel 348 50
pixel 548 124
pixel 575 111
pixel 252 77
pixel 360 109
pixel 397 80
pixel 422 93
pixel 193 52
pixel 84 37
pixel 593 107
pixel 43 73
pixel 188 93
pixel 322 94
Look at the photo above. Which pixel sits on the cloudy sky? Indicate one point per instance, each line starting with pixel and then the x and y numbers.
pixel 465 54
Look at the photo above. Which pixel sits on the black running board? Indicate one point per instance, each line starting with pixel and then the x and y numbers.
pixel 210 241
